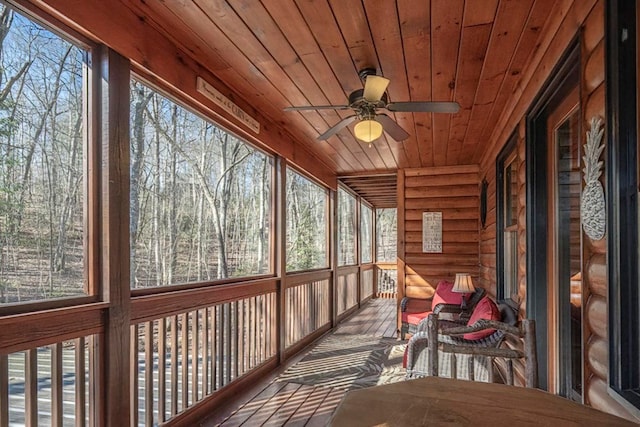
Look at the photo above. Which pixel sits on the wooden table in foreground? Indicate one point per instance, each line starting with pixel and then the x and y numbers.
pixel 442 401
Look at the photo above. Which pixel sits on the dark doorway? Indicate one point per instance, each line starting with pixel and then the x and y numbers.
pixel 553 253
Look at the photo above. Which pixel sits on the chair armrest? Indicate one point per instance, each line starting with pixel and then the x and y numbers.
pixel 443 322
pixel 417 343
pixel 447 308
pixel 480 325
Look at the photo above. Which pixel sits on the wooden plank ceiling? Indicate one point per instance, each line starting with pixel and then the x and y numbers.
pixel 278 53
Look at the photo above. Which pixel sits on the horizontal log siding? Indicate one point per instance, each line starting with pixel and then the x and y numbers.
pixel 455 192
pixel 572 16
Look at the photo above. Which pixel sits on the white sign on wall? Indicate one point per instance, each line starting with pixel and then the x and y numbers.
pixel 432 232
pixel 227 105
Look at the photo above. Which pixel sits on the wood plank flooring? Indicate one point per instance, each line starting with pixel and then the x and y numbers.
pixel 279 403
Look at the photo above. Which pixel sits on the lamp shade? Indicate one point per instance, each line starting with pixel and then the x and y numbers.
pixel 368 130
pixel 463 284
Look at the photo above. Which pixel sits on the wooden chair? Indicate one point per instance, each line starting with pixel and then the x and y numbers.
pixel 415 310
pixel 489 348
pixel 439 348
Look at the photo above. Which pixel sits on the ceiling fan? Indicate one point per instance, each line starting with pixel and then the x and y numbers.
pixel 366 103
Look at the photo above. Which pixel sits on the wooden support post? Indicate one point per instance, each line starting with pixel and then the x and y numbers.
pixel 333 253
pixel 114 133
pixel 400 246
pixel 280 255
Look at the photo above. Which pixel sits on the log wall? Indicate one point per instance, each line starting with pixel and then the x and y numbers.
pixel 584 19
pixel 455 192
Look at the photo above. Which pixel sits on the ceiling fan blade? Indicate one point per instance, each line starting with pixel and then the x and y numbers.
pixel 337 128
pixel 392 128
pixel 374 87
pixel 317 107
pixel 424 107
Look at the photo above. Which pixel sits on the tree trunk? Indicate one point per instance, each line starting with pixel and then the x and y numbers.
pixel 140 102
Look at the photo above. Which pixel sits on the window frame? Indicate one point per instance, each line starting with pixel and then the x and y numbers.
pixel 91 164
pixel 622 203
pixel 329 227
pixel 364 204
pixel 143 77
pixel 507 156
pixel 356 233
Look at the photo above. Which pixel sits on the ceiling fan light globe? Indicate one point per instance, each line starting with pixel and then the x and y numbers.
pixel 368 130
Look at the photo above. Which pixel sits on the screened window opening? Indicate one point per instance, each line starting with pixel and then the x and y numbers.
pixel 346 228
pixel 366 234
pixel 200 198
pixel 510 232
pixel 42 173
pixel 386 235
pixel 306 224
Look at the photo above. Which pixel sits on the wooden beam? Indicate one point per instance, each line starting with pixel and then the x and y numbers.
pixel 114 75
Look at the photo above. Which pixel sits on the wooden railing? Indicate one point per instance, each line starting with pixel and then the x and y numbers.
pixel 387 280
pixel 346 289
pixel 307 305
pixel 47 385
pixel 189 347
pixel 181 358
pixel 366 281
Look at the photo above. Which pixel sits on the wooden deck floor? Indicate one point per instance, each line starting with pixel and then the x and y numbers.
pixel 277 402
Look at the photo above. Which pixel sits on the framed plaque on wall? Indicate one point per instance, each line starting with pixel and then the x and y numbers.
pixel 432 232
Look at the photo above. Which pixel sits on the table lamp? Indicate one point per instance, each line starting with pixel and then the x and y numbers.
pixel 464 285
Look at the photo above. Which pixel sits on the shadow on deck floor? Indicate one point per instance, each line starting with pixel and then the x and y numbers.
pixel 363 351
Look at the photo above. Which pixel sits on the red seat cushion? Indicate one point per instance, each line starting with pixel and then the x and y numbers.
pixel 445 295
pixel 485 309
pixel 414 318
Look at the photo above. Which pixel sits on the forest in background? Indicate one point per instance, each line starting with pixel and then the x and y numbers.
pixel 200 198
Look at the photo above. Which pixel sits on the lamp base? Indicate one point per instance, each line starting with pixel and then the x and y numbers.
pixel 463 304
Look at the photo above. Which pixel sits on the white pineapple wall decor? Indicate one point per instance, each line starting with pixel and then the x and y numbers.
pixel 592 207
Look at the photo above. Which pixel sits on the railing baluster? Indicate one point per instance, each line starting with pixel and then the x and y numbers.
pixel 174 365
pixel 195 342
pixel 56 384
pixel 228 341
pixel 214 348
pixel 252 332
pixel 148 374
pixel 95 404
pixel 184 319
pixel 220 361
pixel 236 344
pixel 31 387
pixel 80 379
pixel 134 376
pixel 204 340
pixel 241 329
pixel 4 390
pixel 162 367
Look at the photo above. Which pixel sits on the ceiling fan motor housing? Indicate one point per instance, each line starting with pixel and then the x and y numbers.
pixel 357 101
